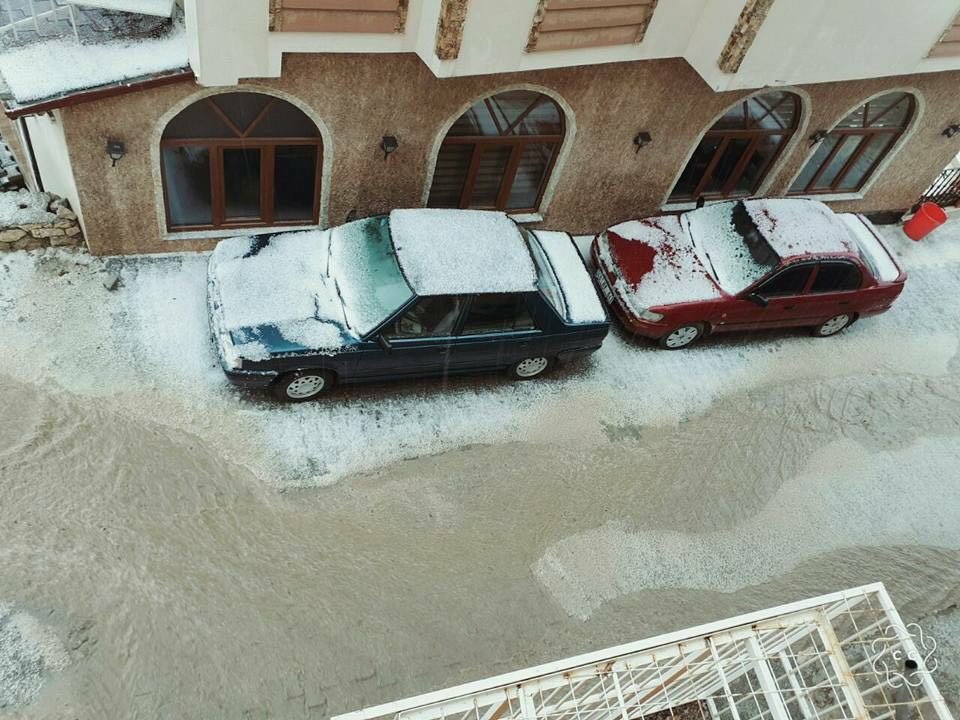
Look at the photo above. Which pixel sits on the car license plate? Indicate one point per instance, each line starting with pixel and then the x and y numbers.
pixel 604 285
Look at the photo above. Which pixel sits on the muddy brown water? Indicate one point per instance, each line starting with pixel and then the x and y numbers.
pixel 181 586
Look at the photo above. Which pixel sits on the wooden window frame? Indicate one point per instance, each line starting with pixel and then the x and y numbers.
pixel 267 147
pixel 867 133
pixel 754 134
pixel 517 144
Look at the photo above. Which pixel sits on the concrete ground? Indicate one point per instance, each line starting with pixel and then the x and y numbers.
pixel 175 548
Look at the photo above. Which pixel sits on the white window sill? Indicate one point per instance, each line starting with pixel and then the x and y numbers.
pixel 830 197
pixel 234 232
pixel 525 218
pixel 834 197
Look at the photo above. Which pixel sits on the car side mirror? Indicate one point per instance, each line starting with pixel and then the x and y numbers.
pixel 384 343
pixel 758 300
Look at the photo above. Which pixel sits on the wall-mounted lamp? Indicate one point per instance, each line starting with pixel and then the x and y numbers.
pixel 389 145
pixel 642 140
pixel 818 136
pixel 116 150
pixel 951 130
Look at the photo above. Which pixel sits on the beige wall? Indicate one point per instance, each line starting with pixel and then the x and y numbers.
pixel 360 98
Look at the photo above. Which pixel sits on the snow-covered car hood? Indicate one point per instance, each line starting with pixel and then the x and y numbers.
pixel 275 295
pixel 654 263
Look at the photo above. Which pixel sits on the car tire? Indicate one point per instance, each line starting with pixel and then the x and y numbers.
pixel 682 337
pixel 530 368
pixel 303 385
pixel 834 326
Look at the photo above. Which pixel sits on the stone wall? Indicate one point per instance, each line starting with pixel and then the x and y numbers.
pixel 600 180
pixel 63 231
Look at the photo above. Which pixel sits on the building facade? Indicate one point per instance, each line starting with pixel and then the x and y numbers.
pixel 568 114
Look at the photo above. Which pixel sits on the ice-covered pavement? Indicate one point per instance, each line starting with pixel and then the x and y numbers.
pixel 148 342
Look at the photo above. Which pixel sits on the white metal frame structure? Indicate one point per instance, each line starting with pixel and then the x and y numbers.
pixel 818 659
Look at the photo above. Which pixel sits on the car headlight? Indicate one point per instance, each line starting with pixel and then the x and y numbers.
pixel 651 316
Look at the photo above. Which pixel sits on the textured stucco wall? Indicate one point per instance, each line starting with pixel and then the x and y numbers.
pixel 363 97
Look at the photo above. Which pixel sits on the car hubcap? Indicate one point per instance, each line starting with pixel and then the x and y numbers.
pixel 834 325
pixel 305 386
pixel 682 336
pixel 531 367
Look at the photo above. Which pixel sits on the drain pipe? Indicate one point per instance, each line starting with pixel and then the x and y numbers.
pixel 28 141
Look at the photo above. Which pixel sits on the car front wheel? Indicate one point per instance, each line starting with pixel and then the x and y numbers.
pixel 529 368
pixel 682 337
pixel 834 325
pixel 303 385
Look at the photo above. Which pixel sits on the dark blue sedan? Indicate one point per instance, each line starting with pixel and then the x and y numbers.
pixel 413 294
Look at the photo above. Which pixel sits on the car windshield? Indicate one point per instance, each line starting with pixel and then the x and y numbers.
pixel 546 277
pixel 733 248
pixel 368 276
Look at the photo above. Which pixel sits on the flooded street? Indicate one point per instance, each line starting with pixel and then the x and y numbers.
pixel 170 548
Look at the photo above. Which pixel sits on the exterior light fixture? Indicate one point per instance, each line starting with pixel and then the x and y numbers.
pixel 818 136
pixel 116 150
pixel 642 140
pixel 389 145
pixel 951 130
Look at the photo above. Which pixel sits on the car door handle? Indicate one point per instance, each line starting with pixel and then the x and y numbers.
pixel 789 307
pixel 844 302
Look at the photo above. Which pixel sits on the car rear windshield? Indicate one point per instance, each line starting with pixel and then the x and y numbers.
pixel 547 279
pixel 734 249
pixel 368 276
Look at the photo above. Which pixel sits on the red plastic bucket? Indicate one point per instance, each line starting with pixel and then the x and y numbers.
pixel 928 218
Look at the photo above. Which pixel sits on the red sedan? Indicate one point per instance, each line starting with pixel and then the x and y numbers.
pixel 745 265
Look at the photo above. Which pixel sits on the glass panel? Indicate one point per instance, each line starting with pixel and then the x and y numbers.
pixel 854 119
pixel 848 145
pixel 836 277
pixel 294 182
pixel 241 182
pixel 859 171
pixel 889 111
pixel 453 164
pixel 187 180
pixel 434 316
pixel 486 187
pixel 494 115
pixel 197 121
pixel 734 119
pixel 547 279
pixel 497 313
pixel 810 169
pixel 544 119
pixel 241 108
pixel 695 168
pixel 728 161
pixel 756 168
pixel 283 120
pixel 531 175
pixel 789 282
pixel 773 111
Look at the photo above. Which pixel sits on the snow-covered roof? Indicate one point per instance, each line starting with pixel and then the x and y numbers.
pixel 582 303
pixel 656 264
pixel 63 54
pixel 461 252
pixel 161 8
pixel 795 226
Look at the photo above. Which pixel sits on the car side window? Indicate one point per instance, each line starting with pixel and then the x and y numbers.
pixel 787 282
pixel 434 316
pixel 497 313
pixel 837 277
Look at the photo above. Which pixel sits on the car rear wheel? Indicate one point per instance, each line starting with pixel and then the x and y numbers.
pixel 682 337
pixel 303 385
pixel 836 324
pixel 529 368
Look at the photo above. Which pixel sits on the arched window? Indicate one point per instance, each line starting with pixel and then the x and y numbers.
pixel 241 160
pixel 499 154
pixel 850 154
pixel 736 154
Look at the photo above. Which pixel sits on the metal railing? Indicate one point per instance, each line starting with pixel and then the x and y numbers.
pixel 945 190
